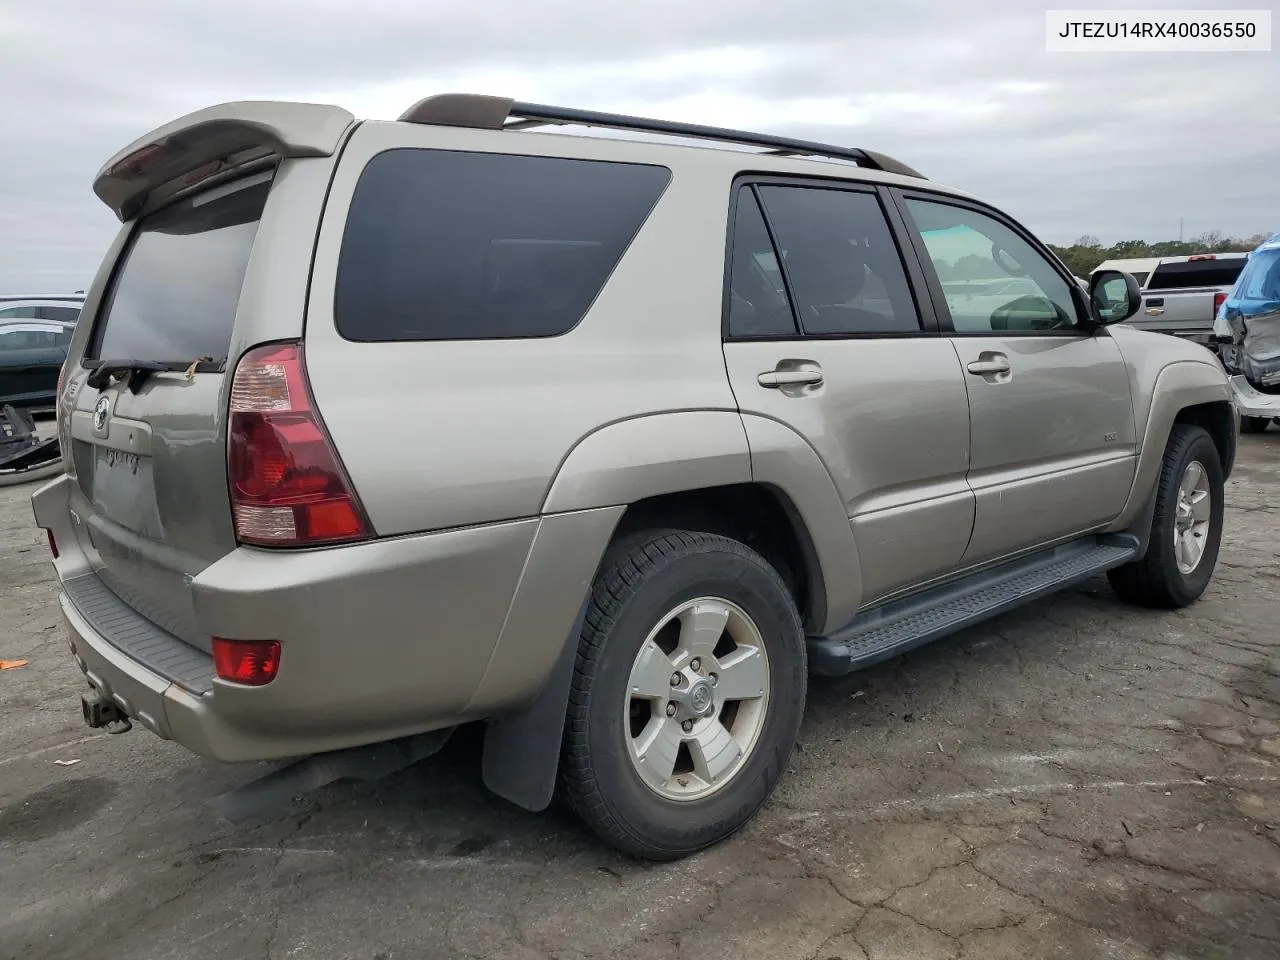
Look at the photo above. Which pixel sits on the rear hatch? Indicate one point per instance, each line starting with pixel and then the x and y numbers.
pixel 147 437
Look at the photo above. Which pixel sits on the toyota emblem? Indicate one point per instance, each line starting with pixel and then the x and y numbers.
pixel 100 413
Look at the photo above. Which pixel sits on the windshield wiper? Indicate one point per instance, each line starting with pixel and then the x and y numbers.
pixel 139 370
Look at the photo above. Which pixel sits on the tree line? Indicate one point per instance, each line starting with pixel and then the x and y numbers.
pixel 1087 252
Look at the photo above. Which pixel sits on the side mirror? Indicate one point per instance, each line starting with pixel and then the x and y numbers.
pixel 1114 296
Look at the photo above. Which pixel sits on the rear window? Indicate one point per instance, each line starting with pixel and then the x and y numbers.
pixel 445 245
pixel 174 296
pixel 1196 273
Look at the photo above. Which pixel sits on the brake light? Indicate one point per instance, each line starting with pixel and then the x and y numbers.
pixel 288 488
pixel 254 663
pixel 1218 300
pixel 1202 256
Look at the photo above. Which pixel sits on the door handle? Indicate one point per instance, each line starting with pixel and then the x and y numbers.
pixel 789 378
pixel 984 368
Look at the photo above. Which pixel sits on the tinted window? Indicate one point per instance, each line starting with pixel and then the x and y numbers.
pixel 758 304
pixel 1141 277
pixel 443 245
pixel 175 295
pixel 1260 280
pixel 30 337
pixel 992 279
pixel 1196 273
pixel 62 314
pixel 844 270
pixel 18 312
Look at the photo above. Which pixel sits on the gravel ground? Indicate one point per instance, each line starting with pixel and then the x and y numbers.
pixel 1076 780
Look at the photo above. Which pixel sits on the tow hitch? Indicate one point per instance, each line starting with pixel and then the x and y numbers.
pixel 101 713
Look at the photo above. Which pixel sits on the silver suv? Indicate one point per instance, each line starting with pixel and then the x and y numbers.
pixel 375 429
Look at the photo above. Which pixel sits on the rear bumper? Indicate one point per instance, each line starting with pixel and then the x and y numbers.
pixel 1251 402
pixel 378 640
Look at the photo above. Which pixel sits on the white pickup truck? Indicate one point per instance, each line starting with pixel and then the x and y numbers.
pixel 1181 295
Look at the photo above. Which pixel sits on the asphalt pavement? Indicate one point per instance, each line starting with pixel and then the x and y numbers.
pixel 1077 779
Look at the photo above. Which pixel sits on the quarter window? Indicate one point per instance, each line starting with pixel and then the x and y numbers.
pixel 843 267
pixel 444 245
pixel 758 305
pixel 992 279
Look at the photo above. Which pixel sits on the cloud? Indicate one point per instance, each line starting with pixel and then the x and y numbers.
pixel 1116 145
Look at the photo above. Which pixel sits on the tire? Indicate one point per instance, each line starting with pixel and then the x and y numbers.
pixel 1157 580
pixel 1254 424
pixel 643 579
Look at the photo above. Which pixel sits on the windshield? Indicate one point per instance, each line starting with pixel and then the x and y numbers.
pixel 174 296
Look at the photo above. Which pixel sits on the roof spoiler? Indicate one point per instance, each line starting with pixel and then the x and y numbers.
pixel 199 145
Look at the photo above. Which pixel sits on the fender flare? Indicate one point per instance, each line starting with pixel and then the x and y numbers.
pixel 1179 385
pixel 646 456
pixel 615 465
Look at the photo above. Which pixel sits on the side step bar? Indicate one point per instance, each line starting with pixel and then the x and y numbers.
pixel 901 625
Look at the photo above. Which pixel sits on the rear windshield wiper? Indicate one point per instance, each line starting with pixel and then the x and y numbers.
pixel 139 370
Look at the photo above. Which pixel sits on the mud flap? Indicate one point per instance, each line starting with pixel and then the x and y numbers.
pixel 522 749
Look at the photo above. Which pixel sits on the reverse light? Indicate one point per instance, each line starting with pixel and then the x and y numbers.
pixel 253 663
pixel 288 488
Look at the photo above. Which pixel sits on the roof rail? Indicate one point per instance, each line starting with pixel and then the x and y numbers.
pixel 503 113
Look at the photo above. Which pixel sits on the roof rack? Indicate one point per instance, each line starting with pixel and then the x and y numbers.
pixel 502 113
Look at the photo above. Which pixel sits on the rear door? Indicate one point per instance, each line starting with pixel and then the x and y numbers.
pixel 1050 415
pixel 147 455
pixel 824 335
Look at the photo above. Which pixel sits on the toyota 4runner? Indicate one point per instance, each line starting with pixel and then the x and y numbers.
pixel 373 429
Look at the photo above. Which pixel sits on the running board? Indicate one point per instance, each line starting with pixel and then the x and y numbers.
pixel 901 625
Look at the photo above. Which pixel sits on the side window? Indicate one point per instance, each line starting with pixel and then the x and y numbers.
pixel 61 314
pixel 758 305
pixel 448 245
pixel 845 271
pixel 992 279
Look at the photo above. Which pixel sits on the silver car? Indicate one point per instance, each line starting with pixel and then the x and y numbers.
pixel 374 429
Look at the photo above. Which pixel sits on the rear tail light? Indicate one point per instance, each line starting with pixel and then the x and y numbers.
pixel 254 663
pixel 288 488
pixel 53 543
pixel 1218 300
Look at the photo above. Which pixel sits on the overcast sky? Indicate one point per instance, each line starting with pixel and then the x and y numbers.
pixel 1116 145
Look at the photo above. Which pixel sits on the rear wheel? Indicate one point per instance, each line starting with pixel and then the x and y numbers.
pixel 687 696
pixel 1186 529
pixel 1254 424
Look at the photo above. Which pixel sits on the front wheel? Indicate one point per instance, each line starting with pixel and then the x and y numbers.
pixel 687 695
pixel 1186 530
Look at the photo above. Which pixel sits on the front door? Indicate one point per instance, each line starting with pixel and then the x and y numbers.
pixel 1054 444
pixel 825 336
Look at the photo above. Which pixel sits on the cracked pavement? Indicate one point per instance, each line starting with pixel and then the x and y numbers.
pixel 1076 779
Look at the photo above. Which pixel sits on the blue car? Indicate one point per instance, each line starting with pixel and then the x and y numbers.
pixel 1247 328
